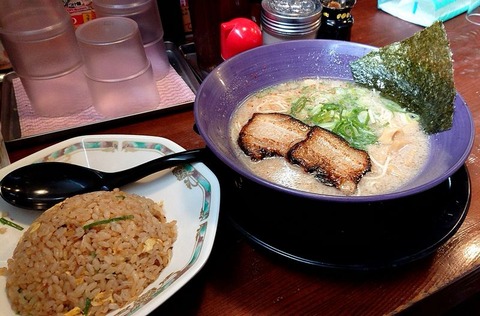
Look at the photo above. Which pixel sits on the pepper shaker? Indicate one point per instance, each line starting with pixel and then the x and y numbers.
pixel 284 20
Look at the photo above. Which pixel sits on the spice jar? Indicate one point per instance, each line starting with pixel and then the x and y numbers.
pixel 284 20
pixel 337 20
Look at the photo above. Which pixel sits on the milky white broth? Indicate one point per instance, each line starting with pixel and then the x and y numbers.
pixel 400 152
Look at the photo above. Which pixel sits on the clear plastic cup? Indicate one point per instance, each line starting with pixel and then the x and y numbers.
pixel 39 39
pixel 144 12
pixel 119 74
pixel 126 96
pixel 39 47
pixel 147 16
pixel 111 48
pixel 60 95
pixel 157 54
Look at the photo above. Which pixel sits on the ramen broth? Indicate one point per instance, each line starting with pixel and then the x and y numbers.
pixel 399 152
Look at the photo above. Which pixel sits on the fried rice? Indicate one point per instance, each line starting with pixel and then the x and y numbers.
pixel 91 254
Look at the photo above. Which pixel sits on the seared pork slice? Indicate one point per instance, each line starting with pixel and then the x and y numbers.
pixel 271 134
pixel 331 159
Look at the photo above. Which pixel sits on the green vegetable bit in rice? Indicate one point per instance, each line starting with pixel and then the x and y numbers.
pixel 5 221
pixel 107 221
pixel 417 73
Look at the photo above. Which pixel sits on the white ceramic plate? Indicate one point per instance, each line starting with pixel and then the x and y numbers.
pixel 191 196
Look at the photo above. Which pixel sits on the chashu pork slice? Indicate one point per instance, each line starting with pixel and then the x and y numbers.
pixel 271 134
pixel 331 159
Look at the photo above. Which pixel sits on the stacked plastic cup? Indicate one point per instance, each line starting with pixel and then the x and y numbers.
pixel 119 74
pixel 147 16
pixel 39 39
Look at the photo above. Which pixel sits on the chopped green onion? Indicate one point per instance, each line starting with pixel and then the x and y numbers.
pixel 357 133
pixel 5 221
pixel 338 112
pixel 88 305
pixel 107 221
pixel 299 105
pixel 346 111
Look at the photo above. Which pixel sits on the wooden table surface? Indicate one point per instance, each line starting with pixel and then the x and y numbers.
pixel 241 278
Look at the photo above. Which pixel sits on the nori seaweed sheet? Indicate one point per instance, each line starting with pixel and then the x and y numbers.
pixel 417 73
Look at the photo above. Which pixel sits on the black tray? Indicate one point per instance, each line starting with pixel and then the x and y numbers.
pixel 349 236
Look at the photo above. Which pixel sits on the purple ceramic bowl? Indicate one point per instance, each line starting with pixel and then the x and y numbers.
pixel 235 79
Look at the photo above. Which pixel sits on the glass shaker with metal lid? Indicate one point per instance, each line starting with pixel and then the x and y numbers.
pixel 284 20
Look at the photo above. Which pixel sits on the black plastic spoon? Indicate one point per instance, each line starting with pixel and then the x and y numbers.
pixel 41 185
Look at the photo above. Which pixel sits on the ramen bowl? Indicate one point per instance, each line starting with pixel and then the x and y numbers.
pixel 234 80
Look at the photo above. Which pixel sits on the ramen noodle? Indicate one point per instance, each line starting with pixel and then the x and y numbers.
pixel 393 137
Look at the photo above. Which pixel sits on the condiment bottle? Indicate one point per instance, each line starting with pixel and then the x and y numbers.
pixel 337 20
pixel 206 17
pixel 284 20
